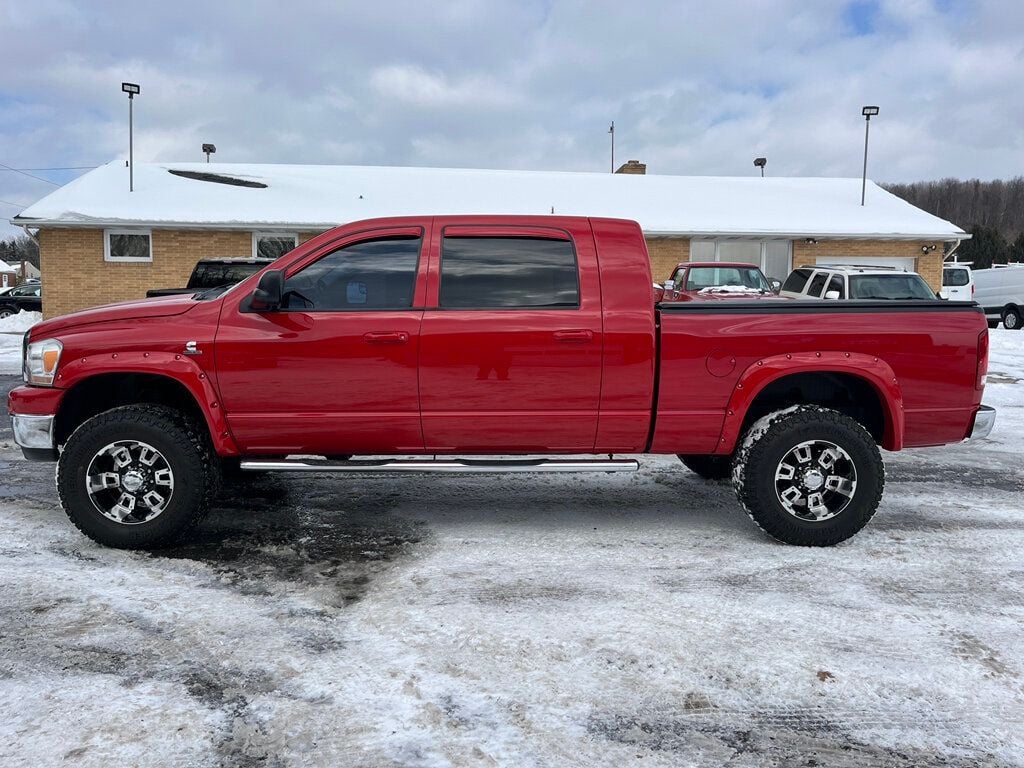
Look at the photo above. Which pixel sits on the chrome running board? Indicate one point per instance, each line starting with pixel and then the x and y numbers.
pixel 480 466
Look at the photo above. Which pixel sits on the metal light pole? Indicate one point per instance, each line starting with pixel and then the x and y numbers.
pixel 209 149
pixel 867 112
pixel 131 89
pixel 761 162
pixel 612 132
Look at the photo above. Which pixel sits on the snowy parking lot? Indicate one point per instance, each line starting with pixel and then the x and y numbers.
pixel 526 621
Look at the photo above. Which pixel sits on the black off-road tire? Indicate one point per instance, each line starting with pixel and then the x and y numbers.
pixel 708 467
pixel 184 445
pixel 765 445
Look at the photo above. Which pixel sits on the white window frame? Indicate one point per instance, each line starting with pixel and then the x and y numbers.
pixel 763 242
pixel 277 235
pixel 131 259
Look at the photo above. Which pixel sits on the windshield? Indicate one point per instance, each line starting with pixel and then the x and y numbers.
pixel 740 278
pixel 895 287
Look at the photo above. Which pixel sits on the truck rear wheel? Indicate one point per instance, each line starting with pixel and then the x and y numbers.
pixel 809 476
pixel 708 467
pixel 136 477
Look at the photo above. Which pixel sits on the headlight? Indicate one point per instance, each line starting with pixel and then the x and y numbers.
pixel 41 359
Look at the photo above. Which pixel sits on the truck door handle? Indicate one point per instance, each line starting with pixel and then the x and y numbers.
pixel 386 337
pixel 581 336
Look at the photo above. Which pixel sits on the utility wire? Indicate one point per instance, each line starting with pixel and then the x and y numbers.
pixel 13 205
pixel 60 168
pixel 23 173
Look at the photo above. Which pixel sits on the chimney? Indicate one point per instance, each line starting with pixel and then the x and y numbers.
pixel 633 166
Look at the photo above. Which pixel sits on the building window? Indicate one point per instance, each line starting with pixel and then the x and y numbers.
pixel 774 257
pixel 127 245
pixel 272 245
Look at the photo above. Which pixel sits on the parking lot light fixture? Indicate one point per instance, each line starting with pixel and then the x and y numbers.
pixel 131 89
pixel 761 162
pixel 868 113
pixel 209 149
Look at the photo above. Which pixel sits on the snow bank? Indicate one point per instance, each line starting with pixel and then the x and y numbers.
pixel 20 322
pixel 11 330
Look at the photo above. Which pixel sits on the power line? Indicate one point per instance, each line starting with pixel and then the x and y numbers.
pixel 13 205
pixel 59 168
pixel 23 173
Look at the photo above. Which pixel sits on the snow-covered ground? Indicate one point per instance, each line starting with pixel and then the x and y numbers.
pixel 527 621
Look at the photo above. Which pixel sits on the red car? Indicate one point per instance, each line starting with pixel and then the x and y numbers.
pixel 702 280
pixel 480 337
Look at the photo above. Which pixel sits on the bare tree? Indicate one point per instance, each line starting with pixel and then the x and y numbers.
pixel 993 205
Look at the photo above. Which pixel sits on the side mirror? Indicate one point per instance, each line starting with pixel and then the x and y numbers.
pixel 831 295
pixel 669 285
pixel 267 296
pixel 775 284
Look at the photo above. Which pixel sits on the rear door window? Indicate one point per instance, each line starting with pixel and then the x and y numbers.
pixel 508 273
pixel 797 280
pixel 817 284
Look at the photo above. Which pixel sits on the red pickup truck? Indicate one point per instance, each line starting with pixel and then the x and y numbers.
pixel 715 280
pixel 529 338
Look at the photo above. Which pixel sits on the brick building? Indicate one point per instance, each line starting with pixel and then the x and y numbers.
pixel 101 243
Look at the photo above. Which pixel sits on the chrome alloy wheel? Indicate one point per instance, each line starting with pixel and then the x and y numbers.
pixel 129 482
pixel 815 480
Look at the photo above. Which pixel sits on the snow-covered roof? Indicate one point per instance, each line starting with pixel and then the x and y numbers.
pixel 5 267
pixel 312 197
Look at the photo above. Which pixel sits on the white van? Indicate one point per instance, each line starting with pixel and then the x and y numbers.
pixel 957 282
pixel 1000 291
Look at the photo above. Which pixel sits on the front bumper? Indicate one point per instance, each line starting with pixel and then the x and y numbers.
pixel 984 420
pixel 34 434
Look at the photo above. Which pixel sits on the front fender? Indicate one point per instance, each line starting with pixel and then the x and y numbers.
pixel 759 375
pixel 177 367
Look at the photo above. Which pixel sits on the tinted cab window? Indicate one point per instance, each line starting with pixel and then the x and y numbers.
pixel 508 272
pixel 373 274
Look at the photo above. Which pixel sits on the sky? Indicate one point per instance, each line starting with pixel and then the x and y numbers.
pixel 693 87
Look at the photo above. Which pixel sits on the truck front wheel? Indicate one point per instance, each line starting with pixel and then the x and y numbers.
pixel 136 477
pixel 809 476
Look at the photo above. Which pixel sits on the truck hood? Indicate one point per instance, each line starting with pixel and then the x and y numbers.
pixel 164 306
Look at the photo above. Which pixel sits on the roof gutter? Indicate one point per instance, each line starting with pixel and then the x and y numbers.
pixel 325 225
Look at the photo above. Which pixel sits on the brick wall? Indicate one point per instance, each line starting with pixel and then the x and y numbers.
pixel 665 253
pixel 75 275
pixel 929 265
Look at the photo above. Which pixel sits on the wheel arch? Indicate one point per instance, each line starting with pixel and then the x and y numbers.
pixel 861 386
pixel 92 394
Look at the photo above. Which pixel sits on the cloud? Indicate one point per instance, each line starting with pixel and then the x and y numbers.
pixel 693 87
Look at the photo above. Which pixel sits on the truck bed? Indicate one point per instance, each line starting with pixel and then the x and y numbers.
pixel 715 358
